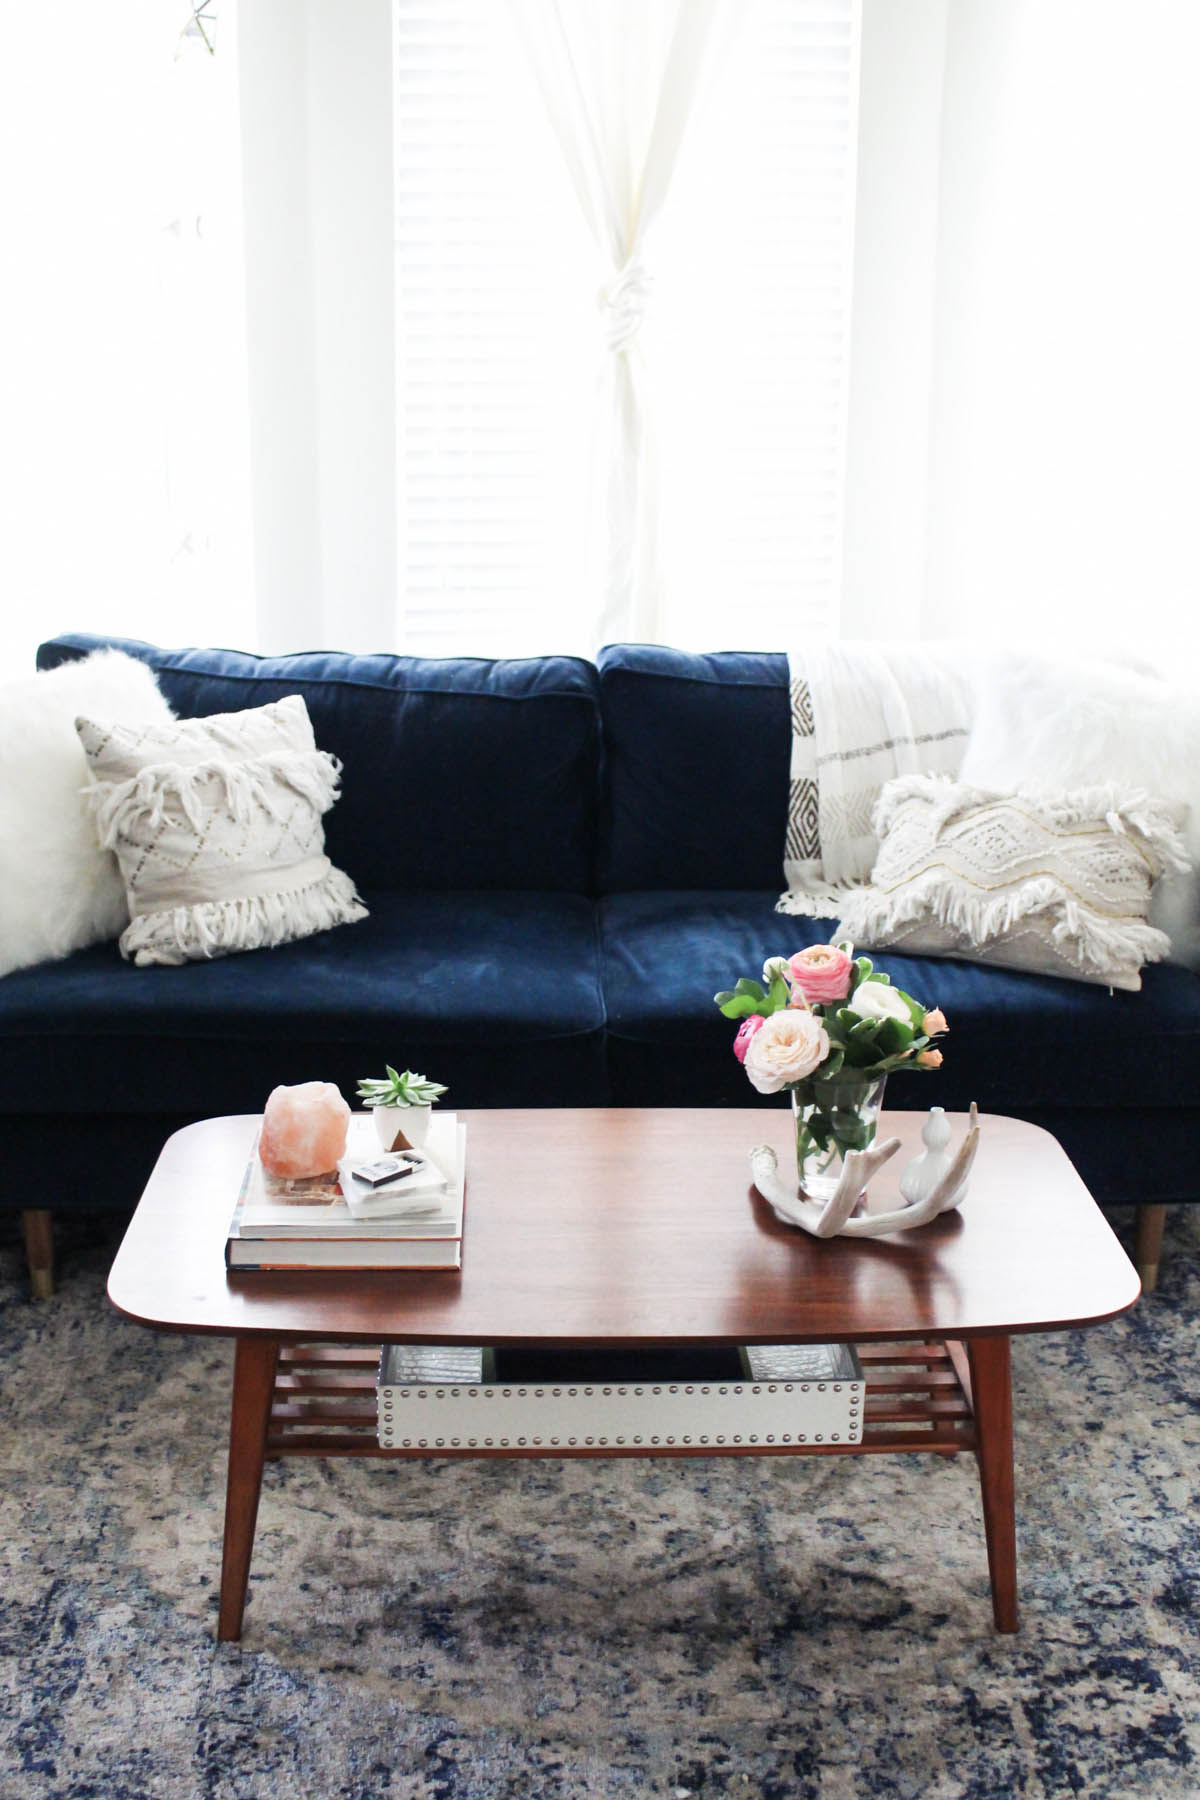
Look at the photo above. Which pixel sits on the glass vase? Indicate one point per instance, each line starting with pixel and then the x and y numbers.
pixel 831 1118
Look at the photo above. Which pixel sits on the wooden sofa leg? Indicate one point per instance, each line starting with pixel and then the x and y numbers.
pixel 38 1225
pixel 1148 1250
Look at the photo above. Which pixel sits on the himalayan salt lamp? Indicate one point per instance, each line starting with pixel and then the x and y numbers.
pixel 303 1130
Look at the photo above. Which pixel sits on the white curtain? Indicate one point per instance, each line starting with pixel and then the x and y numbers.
pixel 621 82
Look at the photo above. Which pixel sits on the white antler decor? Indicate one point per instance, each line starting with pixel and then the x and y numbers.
pixel 836 1218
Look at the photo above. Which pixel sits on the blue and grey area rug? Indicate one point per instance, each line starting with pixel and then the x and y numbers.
pixel 784 1630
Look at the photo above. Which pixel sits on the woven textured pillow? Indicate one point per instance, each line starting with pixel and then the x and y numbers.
pixel 216 823
pixel 1052 884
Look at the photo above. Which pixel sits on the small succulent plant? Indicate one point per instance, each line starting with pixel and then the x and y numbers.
pixel 406 1089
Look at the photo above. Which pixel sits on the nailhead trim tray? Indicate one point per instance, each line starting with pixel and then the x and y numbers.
pixel 434 1398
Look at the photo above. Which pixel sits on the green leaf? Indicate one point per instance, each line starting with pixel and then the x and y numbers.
pixel 400 1089
pixel 777 996
pixel 749 997
pixel 893 1038
pixel 915 1008
pixel 740 1006
pixel 819 1127
pixel 851 1131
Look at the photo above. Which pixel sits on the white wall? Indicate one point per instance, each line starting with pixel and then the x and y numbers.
pixel 319 287
pixel 1023 457
pixel 1065 466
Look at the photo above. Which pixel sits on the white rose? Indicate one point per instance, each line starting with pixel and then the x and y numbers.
pixel 786 1047
pixel 875 1000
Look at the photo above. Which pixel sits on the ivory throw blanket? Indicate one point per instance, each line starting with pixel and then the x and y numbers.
pixel 861 714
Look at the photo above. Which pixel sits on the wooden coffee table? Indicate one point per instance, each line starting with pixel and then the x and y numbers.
pixel 623 1227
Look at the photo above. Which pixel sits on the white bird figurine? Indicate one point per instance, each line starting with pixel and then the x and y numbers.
pixel 925 1171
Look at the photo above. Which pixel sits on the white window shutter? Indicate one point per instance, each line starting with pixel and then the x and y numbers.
pixel 499 340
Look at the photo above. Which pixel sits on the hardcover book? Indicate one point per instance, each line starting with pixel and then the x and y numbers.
pixel 336 1221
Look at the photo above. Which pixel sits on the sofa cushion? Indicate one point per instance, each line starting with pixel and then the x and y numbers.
pixel 1079 720
pixel 698 755
pixel 458 773
pixel 216 824
pixel 1052 883
pixel 497 995
pixel 1017 1043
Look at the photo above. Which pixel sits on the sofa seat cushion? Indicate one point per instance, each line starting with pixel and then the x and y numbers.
pixel 1017 1043
pixel 497 995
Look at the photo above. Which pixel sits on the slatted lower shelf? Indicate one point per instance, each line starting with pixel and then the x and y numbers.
pixel 916 1399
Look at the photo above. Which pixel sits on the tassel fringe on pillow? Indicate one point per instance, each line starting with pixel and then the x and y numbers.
pixel 213 928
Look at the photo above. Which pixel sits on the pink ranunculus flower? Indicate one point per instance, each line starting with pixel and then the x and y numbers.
pixel 787 1046
pixel 820 974
pixel 934 1022
pixel 745 1032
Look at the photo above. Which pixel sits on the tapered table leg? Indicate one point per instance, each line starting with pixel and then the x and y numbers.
pixel 991 1385
pixel 254 1365
pixel 1151 1219
pixel 38 1226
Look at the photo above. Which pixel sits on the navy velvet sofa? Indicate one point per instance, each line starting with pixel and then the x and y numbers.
pixel 563 862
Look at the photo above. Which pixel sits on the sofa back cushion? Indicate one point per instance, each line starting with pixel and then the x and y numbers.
pixel 698 751
pixel 457 772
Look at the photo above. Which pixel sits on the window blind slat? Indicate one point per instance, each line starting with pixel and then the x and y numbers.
pixel 499 340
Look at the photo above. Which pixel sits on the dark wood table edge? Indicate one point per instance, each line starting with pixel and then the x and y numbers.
pixel 642 1341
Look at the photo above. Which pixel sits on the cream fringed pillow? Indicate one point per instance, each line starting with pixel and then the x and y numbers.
pixel 1053 884
pixel 216 823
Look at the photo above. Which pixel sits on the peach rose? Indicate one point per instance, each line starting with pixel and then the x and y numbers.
pixel 787 1046
pixel 929 1059
pixel 934 1022
pixel 822 973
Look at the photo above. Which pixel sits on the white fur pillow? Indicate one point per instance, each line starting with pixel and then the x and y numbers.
pixel 59 891
pixel 1052 884
pixel 216 823
pixel 1082 724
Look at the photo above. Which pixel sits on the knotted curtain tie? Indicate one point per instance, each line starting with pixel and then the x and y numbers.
pixel 624 302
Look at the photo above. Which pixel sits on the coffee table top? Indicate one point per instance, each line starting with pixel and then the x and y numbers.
pixel 640 1225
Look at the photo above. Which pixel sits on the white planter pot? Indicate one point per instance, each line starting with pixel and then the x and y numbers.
pixel 402 1127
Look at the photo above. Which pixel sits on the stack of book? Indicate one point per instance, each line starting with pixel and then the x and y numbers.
pixel 358 1216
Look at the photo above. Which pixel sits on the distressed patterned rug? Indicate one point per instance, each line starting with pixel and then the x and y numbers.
pixel 783 1630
